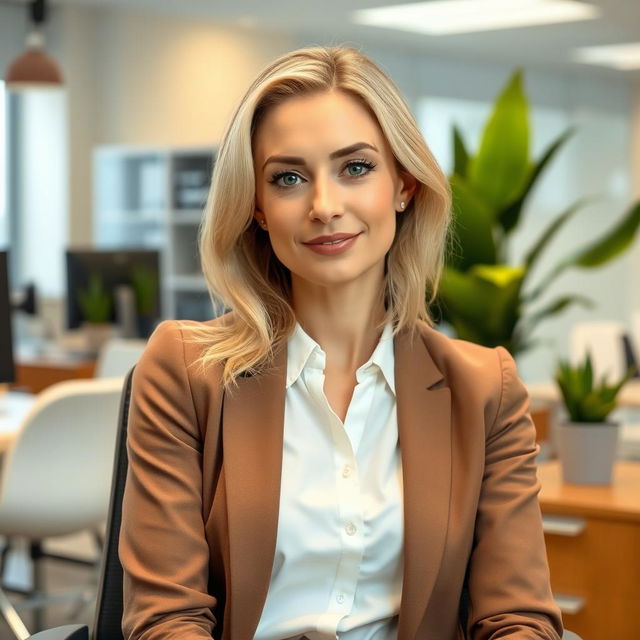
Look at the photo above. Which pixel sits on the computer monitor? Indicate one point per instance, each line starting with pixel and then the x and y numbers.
pixel 93 279
pixel 7 369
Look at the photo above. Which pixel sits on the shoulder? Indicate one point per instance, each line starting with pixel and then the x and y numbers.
pixel 475 373
pixel 452 354
pixel 172 334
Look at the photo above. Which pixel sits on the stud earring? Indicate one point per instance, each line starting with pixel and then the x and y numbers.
pixel 402 205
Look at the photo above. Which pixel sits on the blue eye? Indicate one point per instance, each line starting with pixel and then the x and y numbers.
pixel 286 179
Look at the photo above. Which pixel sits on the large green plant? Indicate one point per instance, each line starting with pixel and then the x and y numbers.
pixel 484 297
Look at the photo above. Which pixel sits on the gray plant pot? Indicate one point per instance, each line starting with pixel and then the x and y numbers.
pixel 587 451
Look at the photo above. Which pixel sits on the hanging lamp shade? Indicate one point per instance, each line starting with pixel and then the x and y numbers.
pixel 33 68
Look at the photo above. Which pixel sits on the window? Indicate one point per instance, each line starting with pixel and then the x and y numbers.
pixel 4 150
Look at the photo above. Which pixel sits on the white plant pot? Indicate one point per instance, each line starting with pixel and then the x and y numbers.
pixel 587 451
pixel 96 335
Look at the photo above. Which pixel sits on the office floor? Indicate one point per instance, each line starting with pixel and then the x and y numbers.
pixel 60 579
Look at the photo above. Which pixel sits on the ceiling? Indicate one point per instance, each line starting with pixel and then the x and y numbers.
pixel 327 21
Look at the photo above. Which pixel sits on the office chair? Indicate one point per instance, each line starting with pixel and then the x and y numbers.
pixel 117 356
pixel 56 476
pixel 108 614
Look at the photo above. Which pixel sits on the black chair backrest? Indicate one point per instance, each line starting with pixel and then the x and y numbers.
pixel 108 614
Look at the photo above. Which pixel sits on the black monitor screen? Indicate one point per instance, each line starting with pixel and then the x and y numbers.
pixel 93 277
pixel 7 371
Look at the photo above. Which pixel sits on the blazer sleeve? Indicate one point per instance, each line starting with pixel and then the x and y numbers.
pixel 162 545
pixel 508 580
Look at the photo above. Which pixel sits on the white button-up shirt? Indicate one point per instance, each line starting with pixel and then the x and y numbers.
pixel 337 570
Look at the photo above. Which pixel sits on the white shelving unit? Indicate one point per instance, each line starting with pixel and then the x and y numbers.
pixel 154 198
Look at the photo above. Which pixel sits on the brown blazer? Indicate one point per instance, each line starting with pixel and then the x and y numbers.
pixel 200 508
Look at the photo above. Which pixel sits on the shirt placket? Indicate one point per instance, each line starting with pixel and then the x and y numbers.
pixel 346 439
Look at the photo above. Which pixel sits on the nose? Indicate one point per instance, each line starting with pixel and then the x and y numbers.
pixel 327 200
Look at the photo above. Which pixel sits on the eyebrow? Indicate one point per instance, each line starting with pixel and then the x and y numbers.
pixel 345 151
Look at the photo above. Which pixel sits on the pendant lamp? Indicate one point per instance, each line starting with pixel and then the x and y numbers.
pixel 34 69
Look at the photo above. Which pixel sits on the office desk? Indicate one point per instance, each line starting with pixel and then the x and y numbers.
pixel 592 535
pixel 37 373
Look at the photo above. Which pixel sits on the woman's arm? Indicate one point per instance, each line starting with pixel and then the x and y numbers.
pixel 162 545
pixel 509 588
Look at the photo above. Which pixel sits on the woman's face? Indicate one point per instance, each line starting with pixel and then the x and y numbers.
pixel 323 166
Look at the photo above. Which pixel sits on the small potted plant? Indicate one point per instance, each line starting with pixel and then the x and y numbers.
pixel 145 284
pixel 96 305
pixel 587 442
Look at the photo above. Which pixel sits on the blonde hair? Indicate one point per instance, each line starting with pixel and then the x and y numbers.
pixel 239 265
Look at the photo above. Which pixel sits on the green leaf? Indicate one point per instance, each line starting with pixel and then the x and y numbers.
pixel 601 251
pixel 500 168
pixel 483 304
pixel 549 233
pixel 613 243
pixel 472 227
pixel 460 155
pixel 553 309
pixel 509 217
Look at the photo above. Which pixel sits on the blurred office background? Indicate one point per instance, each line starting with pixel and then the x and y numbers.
pixel 119 158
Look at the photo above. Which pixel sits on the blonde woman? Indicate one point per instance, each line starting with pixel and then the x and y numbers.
pixel 320 462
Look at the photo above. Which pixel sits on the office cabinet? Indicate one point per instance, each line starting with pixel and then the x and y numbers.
pixel 592 534
pixel 154 198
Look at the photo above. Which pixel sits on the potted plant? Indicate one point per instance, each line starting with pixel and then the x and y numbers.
pixel 145 286
pixel 587 441
pixel 483 296
pixel 96 305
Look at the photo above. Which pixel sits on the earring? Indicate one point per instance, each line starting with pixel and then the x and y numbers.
pixel 402 205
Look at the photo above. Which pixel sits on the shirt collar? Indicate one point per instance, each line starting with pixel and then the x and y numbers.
pixel 303 351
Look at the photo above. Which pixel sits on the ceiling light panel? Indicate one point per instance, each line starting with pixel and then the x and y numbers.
pixel 446 17
pixel 618 56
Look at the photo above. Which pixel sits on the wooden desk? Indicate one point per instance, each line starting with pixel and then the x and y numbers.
pixel 36 374
pixel 592 535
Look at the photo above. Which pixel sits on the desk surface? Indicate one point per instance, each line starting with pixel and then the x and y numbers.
pixel 619 501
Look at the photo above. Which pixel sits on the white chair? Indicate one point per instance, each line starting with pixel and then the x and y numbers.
pixel 604 341
pixel 117 356
pixel 55 478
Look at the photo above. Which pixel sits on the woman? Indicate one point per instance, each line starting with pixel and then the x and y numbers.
pixel 320 462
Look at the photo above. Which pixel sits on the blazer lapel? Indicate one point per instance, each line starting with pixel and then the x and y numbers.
pixel 424 431
pixel 253 425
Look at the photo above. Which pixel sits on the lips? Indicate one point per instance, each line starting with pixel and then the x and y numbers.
pixel 332 238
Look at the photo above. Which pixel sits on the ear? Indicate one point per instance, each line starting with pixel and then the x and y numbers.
pixel 260 218
pixel 406 186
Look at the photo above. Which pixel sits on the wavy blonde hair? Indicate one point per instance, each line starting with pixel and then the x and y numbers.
pixel 241 269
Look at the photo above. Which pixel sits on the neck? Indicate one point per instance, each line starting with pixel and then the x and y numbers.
pixel 342 320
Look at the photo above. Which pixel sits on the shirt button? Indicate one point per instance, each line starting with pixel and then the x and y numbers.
pixel 346 472
pixel 340 598
pixel 350 529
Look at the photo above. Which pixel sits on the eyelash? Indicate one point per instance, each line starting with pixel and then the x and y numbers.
pixel 362 162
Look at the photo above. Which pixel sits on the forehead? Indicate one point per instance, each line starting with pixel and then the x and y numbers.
pixel 316 121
